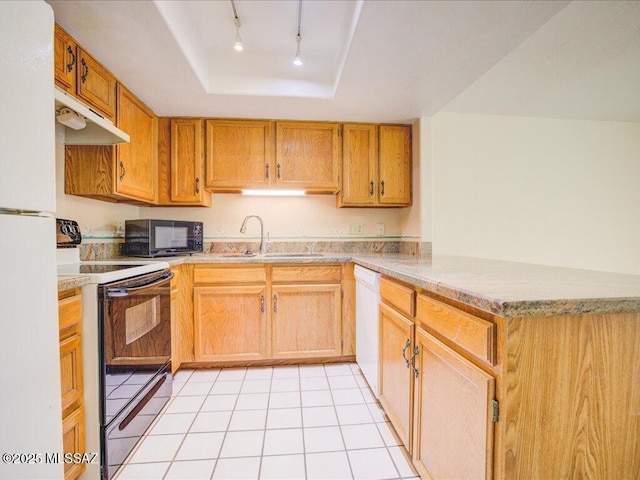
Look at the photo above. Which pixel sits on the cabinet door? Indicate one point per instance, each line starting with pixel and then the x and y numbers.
pixel 137 161
pixel 396 375
pixel 64 63
pixel 306 321
pixel 71 371
pixel 230 323
pixel 73 441
pixel 95 85
pixel 394 159
pixel 308 156
pixel 359 165
pixel 454 429
pixel 187 164
pixel 239 154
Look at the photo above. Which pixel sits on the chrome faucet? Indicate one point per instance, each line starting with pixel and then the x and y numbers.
pixel 263 241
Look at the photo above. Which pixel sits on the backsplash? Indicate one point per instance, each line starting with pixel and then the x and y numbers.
pixel 104 251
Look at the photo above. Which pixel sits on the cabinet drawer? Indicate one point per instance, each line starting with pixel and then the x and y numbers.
pixel 229 275
pixel 296 273
pixel 69 311
pixel 73 441
pixel 398 296
pixel 475 335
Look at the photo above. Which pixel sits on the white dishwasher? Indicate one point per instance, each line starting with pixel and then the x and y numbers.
pixel 367 332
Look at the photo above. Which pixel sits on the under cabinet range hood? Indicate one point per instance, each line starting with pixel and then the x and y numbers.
pixel 97 129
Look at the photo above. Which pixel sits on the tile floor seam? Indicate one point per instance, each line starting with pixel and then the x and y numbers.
pixel 266 420
pixel 344 443
pixel 304 446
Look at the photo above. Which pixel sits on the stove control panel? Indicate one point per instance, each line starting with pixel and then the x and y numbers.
pixel 67 233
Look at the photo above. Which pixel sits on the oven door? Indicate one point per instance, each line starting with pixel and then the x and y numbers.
pixel 136 337
pixel 137 321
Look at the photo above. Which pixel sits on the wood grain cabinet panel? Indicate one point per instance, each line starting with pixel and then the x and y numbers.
pixel 453 425
pixel 64 60
pixel 306 321
pixel 239 154
pixel 137 161
pixel 398 296
pixel 359 165
pixel 308 156
pixel 187 165
pixel 126 172
pixel 394 160
pixel 72 414
pixel 230 323
pixel 95 85
pixel 396 375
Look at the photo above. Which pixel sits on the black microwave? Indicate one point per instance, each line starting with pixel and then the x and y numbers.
pixel 160 238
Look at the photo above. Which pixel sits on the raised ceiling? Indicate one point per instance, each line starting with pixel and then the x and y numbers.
pixel 381 61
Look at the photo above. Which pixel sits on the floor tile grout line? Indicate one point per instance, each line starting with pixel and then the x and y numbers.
pixel 266 420
pixel 344 443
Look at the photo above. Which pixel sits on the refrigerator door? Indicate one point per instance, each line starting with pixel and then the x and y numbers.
pixel 31 416
pixel 27 148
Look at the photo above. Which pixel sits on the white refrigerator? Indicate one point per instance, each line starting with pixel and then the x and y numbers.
pixel 30 404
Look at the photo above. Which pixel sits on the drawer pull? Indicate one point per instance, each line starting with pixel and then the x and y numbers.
pixel 416 351
pixel 262 303
pixel 406 345
pixel 73 59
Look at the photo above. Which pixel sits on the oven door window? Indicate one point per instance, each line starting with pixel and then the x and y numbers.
pixel 138 327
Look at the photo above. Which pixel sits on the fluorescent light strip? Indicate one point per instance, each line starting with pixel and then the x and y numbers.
pixel 275 193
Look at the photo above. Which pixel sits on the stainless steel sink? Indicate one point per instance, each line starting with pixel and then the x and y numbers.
pixel 294 255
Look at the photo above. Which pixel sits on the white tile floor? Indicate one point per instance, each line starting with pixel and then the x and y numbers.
pixel 298 422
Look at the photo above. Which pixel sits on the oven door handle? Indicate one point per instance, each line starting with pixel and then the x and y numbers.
pixel 123 292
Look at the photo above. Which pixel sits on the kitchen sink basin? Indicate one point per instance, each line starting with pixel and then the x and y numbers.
pixel 294 255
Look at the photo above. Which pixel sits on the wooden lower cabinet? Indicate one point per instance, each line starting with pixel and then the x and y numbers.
pixel 453 414
pixel 70 325
pixel 251 313
pixel 306 321
pixel 396 375
pixel 230 323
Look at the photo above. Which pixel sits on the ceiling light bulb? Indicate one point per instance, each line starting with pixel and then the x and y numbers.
pixel 238 47
pixel 297 61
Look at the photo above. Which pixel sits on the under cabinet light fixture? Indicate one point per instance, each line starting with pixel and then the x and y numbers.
pixel 297 61
pixel 237 46
pixel 274 193
pixel 71 119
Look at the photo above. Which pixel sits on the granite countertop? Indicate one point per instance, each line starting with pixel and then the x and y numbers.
pixel 506 289
pixel 71 283
pixel 511 289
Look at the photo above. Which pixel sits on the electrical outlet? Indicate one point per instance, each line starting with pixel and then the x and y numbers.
pixel 356 229
pixel 380 228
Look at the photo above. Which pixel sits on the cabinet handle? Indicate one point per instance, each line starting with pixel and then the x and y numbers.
pixel 278 167
pixel 73 58
pixel 123 171
pixel 262 303
pixel 197 185
pixel 406 345
pixel 382 191
pixel 371 190
pixel 85 68
pixel 266 175
pixel 275 303
pixel 416 351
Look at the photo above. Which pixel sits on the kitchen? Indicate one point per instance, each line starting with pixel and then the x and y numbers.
pixel 542 163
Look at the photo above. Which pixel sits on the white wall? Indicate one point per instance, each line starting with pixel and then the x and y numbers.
pixel 556 192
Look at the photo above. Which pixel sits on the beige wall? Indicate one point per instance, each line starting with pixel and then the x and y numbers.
pixel 556 192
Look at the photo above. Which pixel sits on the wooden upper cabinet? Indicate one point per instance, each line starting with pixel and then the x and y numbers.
pixel 137 161
pixel 308 156
pixel 96 85
pixel 126 172
pixel 394 160
pixel 376 166
pixel 359 165
pixel 187 165
pixel 65 60
pixel 239 154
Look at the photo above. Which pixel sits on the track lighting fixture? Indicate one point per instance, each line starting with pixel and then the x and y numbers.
pixel 297 61
pixel 237 46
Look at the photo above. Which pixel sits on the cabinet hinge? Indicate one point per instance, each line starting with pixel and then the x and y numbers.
pixel 495 410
